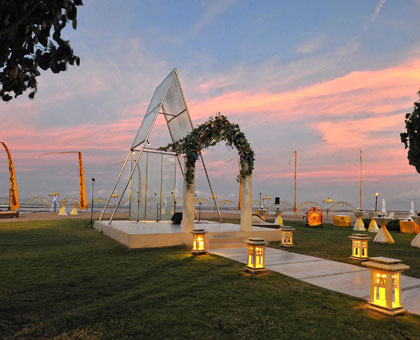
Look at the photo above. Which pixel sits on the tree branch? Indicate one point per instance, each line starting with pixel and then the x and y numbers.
pixel 17 23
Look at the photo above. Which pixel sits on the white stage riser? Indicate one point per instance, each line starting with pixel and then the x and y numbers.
pixel 213 239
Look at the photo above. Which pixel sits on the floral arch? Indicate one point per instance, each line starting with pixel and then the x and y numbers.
pixel 208 134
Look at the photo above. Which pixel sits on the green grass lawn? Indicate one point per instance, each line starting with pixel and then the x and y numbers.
pixel 62 281
pixel 332 243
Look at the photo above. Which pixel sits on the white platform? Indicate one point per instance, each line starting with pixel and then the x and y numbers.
pixel 165 234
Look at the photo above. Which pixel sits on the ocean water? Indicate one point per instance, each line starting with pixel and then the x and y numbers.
pixel 39 208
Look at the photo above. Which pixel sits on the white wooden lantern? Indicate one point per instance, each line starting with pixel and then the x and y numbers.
pixel 385 285
pixel 199 242
pixel 256 255
pixel 359 246
pixel 287 237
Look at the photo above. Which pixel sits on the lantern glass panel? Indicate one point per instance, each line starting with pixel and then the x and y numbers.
pixel 364 249
pixel 396 290
pixel 380 287
pixel 251 256
pixel 200 242
pixel 259 260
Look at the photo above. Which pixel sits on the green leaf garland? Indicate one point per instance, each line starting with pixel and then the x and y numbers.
pixel 209 134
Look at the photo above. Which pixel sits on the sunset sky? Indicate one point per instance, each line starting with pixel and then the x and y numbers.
pixel 326 78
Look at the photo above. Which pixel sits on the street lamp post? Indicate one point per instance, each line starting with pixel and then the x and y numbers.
pixel 376 202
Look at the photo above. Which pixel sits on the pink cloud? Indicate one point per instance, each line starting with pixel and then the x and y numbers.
pixel 337 173
pixel 359 133
pixel 380 91
pixel 363 109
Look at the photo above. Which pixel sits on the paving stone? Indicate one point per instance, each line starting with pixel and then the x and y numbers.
pixel 310 269
pixel 336 276
pixel 353 284
pixel 411 300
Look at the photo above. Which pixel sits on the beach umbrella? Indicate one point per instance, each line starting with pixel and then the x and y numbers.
pixel 328 201
pixel 115 196
pixel 266 199
pixel 215 197
pixel 225 202
pixel 54 194
pixel 201 200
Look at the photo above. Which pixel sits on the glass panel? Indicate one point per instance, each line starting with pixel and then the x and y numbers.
pixel 145 127
pixel 159 92
pixel 168 184
pixel 137 189
pixel 180 126
pixel 145 204
pixel 153 187
pixel 152 111
pixel 173 102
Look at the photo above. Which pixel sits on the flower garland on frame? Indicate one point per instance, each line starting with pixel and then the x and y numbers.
pixel 209 134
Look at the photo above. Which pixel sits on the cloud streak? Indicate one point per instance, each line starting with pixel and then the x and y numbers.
pixel 376 12
pixel 211 11
pixel 311 45
pixel 352 45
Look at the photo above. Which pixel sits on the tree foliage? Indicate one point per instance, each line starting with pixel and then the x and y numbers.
pixel 411 138
pixel 30 39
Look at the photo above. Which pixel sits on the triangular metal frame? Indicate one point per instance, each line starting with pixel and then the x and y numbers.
pixel 144 131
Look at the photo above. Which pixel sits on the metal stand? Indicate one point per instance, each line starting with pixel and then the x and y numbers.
pixel 174 201
pixel 138 206
pixel 199 208
pixel 90 224
pixel 157 208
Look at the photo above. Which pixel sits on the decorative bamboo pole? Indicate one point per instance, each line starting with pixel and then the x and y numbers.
pixel 360 179
pixel 240 186
pixel 294 205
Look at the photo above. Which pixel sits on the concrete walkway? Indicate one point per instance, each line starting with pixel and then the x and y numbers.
pixel 340 277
